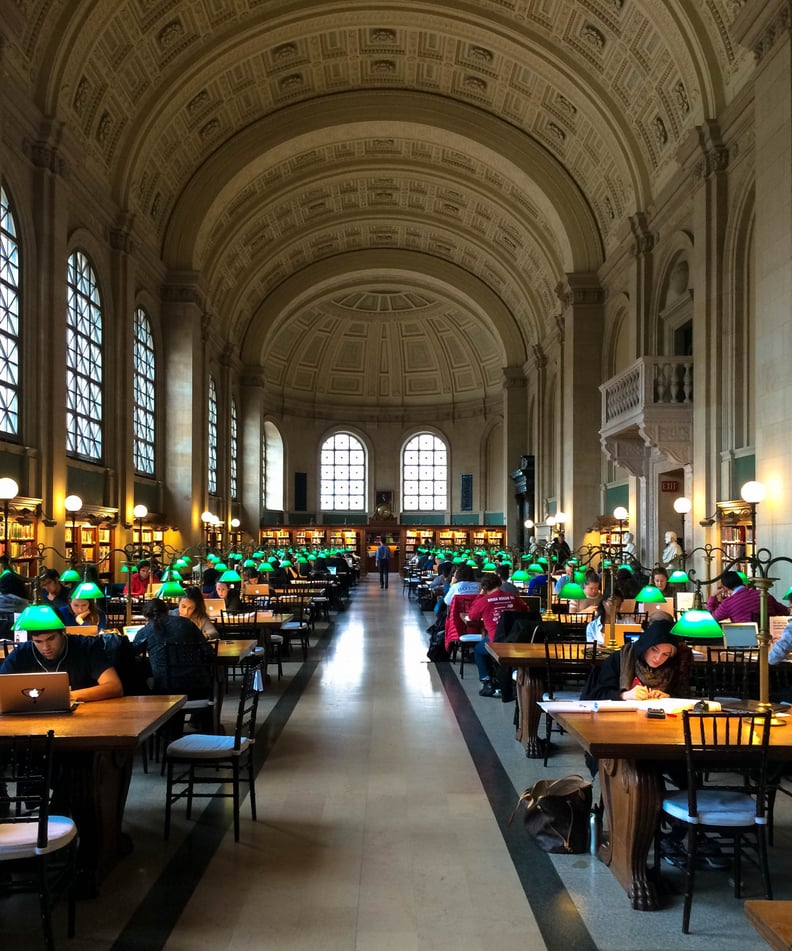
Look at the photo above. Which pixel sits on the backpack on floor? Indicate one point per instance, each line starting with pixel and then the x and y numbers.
pixel 437 652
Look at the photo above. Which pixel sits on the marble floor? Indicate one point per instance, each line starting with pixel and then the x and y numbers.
pixel 385 785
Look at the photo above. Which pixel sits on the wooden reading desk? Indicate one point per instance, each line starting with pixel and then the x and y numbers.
pixel 94 750
pixel 631 750
pixel 773 921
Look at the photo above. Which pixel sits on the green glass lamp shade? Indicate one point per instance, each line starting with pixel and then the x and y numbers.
pixel 788 595
pixel 542 561
pixel 181 563
pixel 571 591
pixel 472 562
pixel 38 617
pixel 87 591
pixel 171 589
pixel 521 575
pixel 171 574
pixel 127 568
pixel 258 553
pixel 459 560
pixel 697 625
pixel 70 576
pixel 743 576
pixel 286 563
pixel 649 594
pixel 678 577
pixel 220 566
pixel 607 563
pixel 573 561
pixel 186 559
pixel 266 567
pixel 580 577
pixel 625 567
pixel 212 557
pixel 248 563
pixel 272 559
pixel 489 565
pixel 230 576
pixel 302 560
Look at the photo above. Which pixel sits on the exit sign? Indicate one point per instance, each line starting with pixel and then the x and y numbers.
pixel 669 485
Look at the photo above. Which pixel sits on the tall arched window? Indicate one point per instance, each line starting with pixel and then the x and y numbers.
pixel 271 469
pixel 211 438
pixel 144 391
pixel 425 474
pixel 234 451
pixel 84 369
pixel 9 319
pixel 342 474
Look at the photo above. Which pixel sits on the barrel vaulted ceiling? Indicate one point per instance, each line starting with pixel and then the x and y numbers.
pixel 380 198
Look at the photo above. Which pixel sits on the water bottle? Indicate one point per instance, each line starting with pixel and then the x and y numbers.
pixel 594 831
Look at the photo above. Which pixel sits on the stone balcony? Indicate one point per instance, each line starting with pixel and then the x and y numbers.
pixel 647 411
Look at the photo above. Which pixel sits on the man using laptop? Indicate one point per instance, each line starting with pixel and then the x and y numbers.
pixel 734 601
pixel 84 659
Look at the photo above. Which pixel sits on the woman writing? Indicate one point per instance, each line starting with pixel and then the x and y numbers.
pixel 657 665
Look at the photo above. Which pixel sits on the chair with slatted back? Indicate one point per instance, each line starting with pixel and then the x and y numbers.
pixel 461 636
pixel 726 761
pixel 299 628
pixel 37 850
pixel 732 673
pixel 568 665
pixel 199 760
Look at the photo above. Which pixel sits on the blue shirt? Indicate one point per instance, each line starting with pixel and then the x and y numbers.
pixel 84 660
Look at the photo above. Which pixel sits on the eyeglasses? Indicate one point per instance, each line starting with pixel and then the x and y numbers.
pixel 664 655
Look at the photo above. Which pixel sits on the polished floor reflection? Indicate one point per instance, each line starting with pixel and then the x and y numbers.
pixel 384 789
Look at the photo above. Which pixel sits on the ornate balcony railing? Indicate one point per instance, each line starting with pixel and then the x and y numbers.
pixel 649 405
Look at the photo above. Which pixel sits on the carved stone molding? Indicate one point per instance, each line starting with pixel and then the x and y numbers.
pixel 627 451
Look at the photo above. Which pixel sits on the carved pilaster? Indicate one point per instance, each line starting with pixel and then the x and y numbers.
pixel 761 30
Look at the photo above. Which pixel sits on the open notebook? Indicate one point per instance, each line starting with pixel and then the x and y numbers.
pixel 35 694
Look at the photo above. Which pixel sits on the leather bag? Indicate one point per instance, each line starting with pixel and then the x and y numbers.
pixel 557 813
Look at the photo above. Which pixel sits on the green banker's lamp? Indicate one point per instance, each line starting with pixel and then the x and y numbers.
pixel 38 618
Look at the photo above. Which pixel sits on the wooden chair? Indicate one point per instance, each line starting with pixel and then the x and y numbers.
pixel 198 759
pixel 460 636
pixel 732 673
pixel 567 663
pixel 299 628
pixel 726 760
pixel 37 850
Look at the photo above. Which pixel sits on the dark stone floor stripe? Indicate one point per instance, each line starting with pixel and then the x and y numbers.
pixel 558 918
pixel 157 915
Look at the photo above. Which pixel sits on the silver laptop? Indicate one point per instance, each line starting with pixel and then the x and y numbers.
pixel 35 694
pixel 740 634
pixel 214 606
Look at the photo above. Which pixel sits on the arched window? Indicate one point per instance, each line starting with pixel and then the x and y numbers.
pixel 342 474
pixel 271 469
pixel 9 319
pixel 234 451
pixel 425 474
pixel 211 437
pixel 144 391
pixel 84 369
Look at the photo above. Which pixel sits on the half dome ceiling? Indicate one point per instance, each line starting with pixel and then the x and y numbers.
pixel 257 144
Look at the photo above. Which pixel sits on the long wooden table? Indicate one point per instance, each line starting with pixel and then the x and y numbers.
pixel 531 663
pixel 94 751
pixel 631 750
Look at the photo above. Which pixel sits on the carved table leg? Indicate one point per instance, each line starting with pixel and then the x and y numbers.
pixel 94 787
pixel 530 687
pixel 632 793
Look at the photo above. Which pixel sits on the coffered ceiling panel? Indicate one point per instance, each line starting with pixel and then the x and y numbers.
pixel 255 142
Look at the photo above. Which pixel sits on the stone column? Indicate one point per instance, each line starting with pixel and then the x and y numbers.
pixel 184 393
pixel 45 398
pixel 765 28
pixel 581 455
pixel 515 433
pixel 251 436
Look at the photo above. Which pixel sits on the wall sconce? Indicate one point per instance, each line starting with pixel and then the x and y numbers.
pixel 73 504
pixel 753 493
pixel 9 489
pixel 140 512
